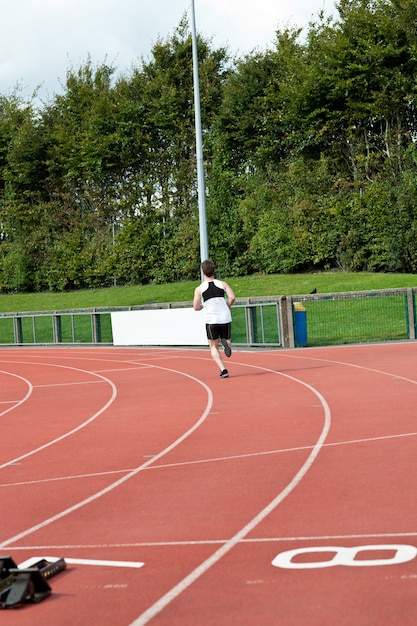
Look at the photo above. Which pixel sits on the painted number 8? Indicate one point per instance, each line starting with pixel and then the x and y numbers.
pixel 345 556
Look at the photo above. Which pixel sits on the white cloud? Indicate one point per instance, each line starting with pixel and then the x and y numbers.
pixel 41 39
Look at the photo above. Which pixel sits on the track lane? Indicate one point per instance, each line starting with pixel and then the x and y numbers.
pixel 177 521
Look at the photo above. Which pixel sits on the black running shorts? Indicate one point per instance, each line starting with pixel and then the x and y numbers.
pixel 214 331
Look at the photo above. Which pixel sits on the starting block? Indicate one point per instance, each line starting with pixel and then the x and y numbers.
pixel 23 586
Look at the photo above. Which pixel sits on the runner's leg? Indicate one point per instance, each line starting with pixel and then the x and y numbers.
pixel 214 349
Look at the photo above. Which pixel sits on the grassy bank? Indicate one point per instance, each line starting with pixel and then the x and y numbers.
pixel 245 286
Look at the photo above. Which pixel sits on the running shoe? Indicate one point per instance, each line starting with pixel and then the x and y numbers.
pixel 224 374
pixel 227 348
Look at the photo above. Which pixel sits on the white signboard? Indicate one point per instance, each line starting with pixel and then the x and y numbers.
pixel 159 327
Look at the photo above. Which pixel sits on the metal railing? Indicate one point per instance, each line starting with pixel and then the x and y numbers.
pixel 359 317
pixel 276 321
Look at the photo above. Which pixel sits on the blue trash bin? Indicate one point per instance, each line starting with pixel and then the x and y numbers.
pixel 300 324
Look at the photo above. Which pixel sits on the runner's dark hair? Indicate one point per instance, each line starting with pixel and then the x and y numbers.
pixel 208 268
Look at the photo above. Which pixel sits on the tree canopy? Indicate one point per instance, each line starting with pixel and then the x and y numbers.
pixel 309 147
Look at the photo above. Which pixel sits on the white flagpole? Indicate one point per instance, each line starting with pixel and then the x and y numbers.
pixel 199 145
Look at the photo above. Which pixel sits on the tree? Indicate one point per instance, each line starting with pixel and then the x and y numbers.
pixel 160 192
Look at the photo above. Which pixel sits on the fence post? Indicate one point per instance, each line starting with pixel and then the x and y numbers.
pixel 18 332
pixel 57 328
pixel 291 329
pixel 286 321
pixel 96 327
pixel 252 324
pixel 411 314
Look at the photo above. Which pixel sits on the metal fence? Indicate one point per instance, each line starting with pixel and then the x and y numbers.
pixel 360 317
pixel 277 321
pixel 85 326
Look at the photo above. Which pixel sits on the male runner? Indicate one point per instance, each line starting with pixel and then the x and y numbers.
pixel 216 297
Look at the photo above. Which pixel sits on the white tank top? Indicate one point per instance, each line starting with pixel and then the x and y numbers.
pixel 213 296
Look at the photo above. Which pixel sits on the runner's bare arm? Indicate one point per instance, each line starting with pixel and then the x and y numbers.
pixel 230 295
pixel 197 305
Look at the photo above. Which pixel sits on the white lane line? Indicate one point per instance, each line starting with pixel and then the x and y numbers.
pixel 26 396
pixel 78 382
pixel 201 569
pixel 219 459
pixel 208 542
pixel 51 559
pixel 356 366
pixel 125 478
pixel 77 428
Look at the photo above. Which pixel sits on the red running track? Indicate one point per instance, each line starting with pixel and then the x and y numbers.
pixel 282 495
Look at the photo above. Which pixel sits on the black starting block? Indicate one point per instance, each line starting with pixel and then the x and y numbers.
pixel 23 586
pixel 49 569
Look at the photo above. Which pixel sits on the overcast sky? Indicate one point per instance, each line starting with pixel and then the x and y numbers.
pixel 41 39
